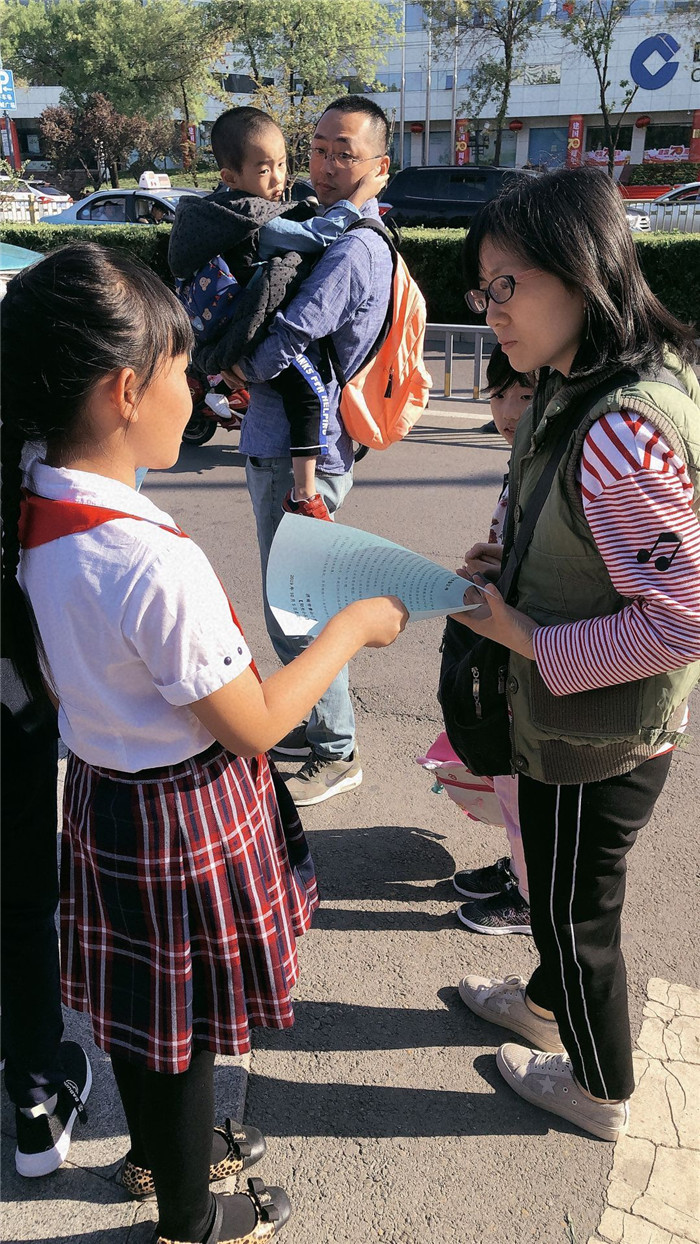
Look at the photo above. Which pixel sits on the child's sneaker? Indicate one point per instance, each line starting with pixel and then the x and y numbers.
pixel 311 507
pixel 484 882
pixel 43 1141
pixel 501 913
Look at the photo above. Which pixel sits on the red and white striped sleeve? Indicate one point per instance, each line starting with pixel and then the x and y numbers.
pixel 637 498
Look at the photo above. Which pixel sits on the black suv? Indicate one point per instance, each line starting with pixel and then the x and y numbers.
pixel 435 195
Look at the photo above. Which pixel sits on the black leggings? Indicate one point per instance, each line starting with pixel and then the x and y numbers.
pixel 171 1120
pixel 575 839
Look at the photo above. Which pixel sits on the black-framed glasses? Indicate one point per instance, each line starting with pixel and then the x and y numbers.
pixel 500 289
pixel 341 159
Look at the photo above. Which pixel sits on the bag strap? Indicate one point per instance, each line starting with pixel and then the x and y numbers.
pixel 572 419
pixel 327 344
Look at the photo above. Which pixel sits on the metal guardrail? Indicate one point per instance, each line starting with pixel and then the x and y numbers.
pixel 26 208
pixel 467 332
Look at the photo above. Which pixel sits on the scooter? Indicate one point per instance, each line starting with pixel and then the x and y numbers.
pixel 212 410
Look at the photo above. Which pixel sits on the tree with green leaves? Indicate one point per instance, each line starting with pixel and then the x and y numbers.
pixel 302 53
pixel 590 27
pixel 145 58
pixel 96 138
pixel 491 35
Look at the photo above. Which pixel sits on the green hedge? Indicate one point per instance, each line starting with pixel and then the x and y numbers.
pixel 671 261
pixel 148 242
pixel 675 173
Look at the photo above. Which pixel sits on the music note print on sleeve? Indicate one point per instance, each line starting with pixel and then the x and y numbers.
pixel 668 544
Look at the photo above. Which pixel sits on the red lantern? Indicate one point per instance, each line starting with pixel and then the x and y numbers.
pixel 416 127
pixel 642 122
pixel 515 126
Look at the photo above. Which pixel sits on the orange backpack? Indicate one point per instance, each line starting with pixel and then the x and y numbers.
pixel 389 392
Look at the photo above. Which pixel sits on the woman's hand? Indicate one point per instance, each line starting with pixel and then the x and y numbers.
pixel 495 619
pixel 483 559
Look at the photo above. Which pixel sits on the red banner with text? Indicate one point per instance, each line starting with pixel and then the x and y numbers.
pixel 574 142
pixel 461 141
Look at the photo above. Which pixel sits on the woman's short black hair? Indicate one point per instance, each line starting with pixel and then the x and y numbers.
pixel 572 223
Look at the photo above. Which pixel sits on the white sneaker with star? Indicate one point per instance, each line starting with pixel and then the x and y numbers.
pixel 502 1002
pixel 547 1080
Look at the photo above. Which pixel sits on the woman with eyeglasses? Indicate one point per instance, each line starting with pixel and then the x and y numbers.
pixel 603 626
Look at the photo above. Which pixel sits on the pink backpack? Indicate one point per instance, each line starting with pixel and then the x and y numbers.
pixel 389 392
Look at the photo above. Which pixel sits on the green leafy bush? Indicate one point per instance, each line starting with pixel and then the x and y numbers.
pixel 675 173
pixel 148 242
pixel 670 261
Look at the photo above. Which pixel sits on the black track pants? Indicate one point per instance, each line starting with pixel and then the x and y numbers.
pixel 575 839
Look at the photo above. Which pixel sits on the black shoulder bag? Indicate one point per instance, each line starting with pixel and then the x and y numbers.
pixel 474 670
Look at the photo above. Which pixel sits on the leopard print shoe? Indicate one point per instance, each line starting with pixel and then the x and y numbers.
pixel 272 1211
pixel 245 1147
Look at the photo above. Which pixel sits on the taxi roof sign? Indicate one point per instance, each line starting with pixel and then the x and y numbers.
pixel 154 181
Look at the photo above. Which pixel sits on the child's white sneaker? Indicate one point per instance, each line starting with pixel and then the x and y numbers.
pixel 547 1080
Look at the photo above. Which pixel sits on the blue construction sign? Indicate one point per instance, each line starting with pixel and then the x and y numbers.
pixel 652 65
pixel 8 102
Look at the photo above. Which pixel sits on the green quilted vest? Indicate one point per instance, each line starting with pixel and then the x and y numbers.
pixel 596 734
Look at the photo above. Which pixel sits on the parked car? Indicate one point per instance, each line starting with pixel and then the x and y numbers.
pixel 12 260
pixel 637 220
pixel 677 209
pixel 44 192
pixel 123 207
pixel 435 195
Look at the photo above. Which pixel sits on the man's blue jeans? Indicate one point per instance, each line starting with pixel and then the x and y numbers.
pixel 331 728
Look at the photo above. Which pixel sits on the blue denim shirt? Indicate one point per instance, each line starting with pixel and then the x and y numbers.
pixel 306 237
pixel 345 296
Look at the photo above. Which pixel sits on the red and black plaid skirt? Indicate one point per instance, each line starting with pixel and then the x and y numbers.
pixel 180 907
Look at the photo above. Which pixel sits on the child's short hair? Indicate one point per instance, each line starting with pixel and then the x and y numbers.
pixel 233 131
pixel 500 375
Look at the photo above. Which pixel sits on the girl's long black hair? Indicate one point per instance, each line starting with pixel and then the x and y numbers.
pixel 572 223
pixel 68 321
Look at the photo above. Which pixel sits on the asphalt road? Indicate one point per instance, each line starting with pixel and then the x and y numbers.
pixel 385 1115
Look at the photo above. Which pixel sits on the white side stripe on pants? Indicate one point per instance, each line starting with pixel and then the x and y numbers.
pixel 573 948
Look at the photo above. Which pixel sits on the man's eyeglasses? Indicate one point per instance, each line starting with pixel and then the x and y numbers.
pixel 341 159
pixel 500 289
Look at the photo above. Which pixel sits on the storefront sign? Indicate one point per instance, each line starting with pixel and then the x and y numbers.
pixel 694 150
pixel 667 155
pixel 461 141
pixel 574 142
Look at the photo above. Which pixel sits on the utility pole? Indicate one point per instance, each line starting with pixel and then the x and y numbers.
pixel 426 135
pixel 402 103
pixel 453 115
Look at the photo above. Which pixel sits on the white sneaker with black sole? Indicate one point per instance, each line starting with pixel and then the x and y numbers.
pixel 293 744
pixel 43 1141
pixel 508 912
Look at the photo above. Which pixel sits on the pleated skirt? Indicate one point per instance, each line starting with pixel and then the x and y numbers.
pixel 180 908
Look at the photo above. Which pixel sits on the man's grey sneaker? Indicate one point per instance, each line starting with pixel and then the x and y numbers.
pixel 294 743
pixel 43 1142
pixel 484 882
pixel 547 1080
pixel 320 779
pixel 502 913
pixel 503 1002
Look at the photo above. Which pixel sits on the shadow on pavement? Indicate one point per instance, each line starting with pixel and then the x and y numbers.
pixel 377 863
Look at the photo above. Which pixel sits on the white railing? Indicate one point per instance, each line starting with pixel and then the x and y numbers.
pixel 666 216
pixel 463 332
pixel 27 208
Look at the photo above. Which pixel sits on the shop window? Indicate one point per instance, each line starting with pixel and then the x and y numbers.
pixel 547 147
pixel 597 151
pixel 415 17
pixel 665 144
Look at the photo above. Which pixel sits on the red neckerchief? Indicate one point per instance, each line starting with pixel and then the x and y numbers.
pixel 43 520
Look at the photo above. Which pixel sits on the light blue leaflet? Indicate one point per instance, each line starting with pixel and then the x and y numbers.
pixel 317 568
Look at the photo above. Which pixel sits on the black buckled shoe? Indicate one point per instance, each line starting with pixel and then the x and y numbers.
pixel 244 1147
pixel 271 1209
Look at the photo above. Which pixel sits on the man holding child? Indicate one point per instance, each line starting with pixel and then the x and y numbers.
pixel 345 297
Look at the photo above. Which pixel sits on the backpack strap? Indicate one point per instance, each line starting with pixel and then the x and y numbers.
pixel 329 353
